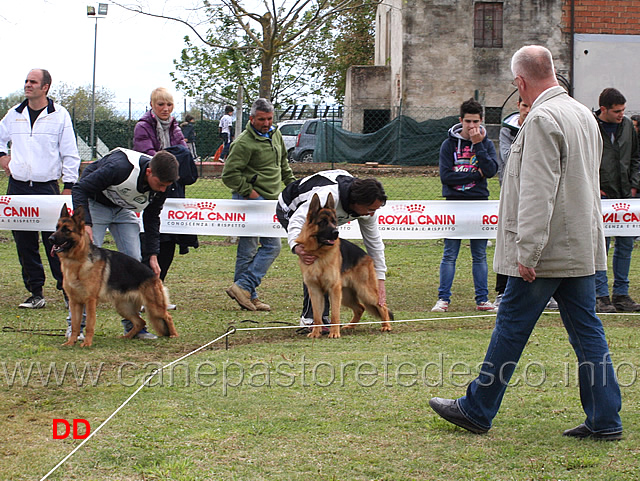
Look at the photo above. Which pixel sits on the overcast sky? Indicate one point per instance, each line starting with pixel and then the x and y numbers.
pixel 135 52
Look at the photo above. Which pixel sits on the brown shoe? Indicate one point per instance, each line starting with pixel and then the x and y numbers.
pixel 241 296
pixel 260 306
pixel 603 305
pixel 624 304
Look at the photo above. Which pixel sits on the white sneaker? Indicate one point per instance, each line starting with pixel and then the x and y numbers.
pixel 34 302
pixel 441 306
pixel 68 334
pixel 170 307
pixel 306 322
pixel 146 335
pixel 498 300
pixel 552 304
pixel 487 307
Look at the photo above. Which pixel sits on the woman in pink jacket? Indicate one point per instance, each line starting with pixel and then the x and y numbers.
pixel 158 130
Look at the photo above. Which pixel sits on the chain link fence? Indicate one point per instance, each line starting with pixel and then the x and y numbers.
pixel 399 146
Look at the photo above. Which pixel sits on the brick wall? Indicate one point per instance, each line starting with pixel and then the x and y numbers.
pixel 613 17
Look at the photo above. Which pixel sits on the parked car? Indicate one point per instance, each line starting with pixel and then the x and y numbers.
pixel 306 143
pixel 290 130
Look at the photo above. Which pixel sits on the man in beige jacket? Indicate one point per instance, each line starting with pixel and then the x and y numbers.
pixel 550 243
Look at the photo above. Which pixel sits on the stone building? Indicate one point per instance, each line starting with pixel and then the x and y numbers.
pixel 433 54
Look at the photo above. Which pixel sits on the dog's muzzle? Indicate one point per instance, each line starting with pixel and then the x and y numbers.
pixel 328 238
pixel 55 248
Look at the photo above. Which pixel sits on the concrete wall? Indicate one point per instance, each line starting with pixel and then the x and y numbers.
pixel 441 64
pixel 367 86
pixel 429 48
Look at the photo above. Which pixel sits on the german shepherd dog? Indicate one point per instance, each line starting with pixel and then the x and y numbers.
pixel 342 270
pixel 92 274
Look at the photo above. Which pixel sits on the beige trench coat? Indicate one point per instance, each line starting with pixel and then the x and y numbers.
pixel 550 217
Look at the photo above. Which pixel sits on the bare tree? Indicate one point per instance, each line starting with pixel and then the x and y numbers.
pixel 274 32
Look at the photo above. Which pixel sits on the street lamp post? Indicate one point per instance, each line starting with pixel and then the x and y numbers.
pixel 91 13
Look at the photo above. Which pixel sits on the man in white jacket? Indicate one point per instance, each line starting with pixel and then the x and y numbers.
pixel 550 242
pixel 43 150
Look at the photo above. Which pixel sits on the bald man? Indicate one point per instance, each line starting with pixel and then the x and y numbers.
pixel 550 242
pixel 43 151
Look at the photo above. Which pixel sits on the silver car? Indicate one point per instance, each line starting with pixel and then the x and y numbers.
pixel 290 130
pixel 306 143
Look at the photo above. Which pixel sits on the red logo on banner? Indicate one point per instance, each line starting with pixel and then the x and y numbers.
pixel 621 214
pixel 206 205
pixel 413 214
pixel 621 206
pixel 204 211
pixel 26 211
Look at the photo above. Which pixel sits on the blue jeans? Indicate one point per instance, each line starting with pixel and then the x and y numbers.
pixel 123 225
pixel 226 142
pixel 253 258
pixel 519 311
pixel 621 262
pixel 479 268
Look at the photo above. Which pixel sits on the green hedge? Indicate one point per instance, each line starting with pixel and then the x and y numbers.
pixel 119 133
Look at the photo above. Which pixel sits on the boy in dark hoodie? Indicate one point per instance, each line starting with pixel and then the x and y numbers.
pixel 467 159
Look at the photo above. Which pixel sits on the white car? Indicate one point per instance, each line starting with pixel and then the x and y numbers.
pixel 290 130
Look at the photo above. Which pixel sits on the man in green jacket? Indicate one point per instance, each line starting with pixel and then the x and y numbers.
pixel 619 179
pixel 256 168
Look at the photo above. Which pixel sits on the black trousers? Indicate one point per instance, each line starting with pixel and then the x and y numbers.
pixel 27 242
pixel 307 308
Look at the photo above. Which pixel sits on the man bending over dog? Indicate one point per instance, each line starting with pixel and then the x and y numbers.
pixel 356 199
pixel 113 189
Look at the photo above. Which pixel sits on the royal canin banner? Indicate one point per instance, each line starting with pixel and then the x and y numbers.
pixel 406 219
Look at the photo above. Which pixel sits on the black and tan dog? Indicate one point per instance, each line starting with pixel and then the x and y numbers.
pixel 342 270
pixel 92 274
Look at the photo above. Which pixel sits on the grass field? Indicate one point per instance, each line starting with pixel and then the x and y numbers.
pixel 279 406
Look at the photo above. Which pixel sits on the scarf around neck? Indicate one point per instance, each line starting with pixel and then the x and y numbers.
pixel 162 131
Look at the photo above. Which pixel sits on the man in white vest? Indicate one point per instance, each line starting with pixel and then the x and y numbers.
pixel 116 187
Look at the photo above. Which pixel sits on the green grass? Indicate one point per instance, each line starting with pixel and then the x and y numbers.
pixel 277 405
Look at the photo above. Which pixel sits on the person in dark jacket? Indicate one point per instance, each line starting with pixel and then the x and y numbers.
pixel 188 128
pixel 467 160
pixel 116 187
pixel 158 130
pixel 619 179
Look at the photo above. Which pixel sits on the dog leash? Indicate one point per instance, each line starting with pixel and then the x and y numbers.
pixel 40 332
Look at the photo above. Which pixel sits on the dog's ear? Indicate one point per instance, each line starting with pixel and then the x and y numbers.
pixel 330 204
pixel 314 206
pixel 64 212
pixel 78 215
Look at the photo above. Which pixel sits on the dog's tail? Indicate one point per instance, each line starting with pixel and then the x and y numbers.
pixel 379 312
pixel 156 300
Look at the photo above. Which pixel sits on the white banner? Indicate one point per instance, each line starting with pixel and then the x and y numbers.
pixel 398 219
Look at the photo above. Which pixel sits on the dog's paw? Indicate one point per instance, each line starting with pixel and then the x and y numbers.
pixel 315 333
pixel 385 328
pixel 86 343
pixel 70 342
pixel 349 327
pixel 334 333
